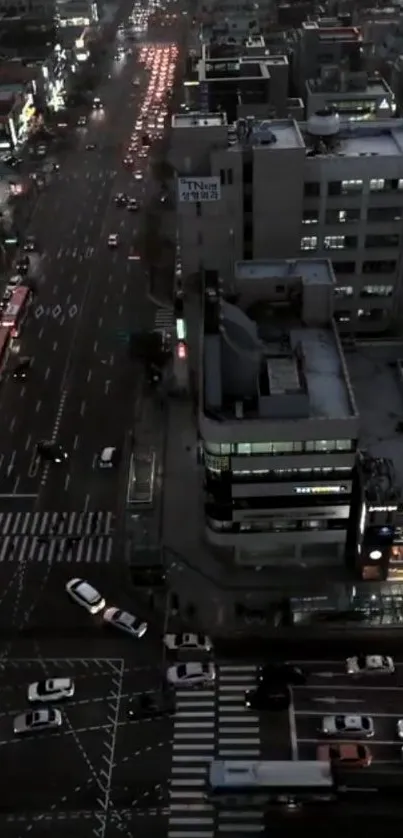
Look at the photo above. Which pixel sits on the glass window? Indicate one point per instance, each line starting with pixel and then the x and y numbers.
pixel 377 184
pixel 380 266
pixel 334 187
pixel 344 445
pixel 244 448
pixel 342 216
pixel 373 314
pixel 334 242
pixel 328 445
pixel 342 316
pixel 212 447
pixel 309 242
pixel 343 267
pixel 283 447
pixel 381 241
pixel 312 189
pixel 349 187
pixel 376 291
pixel 310 217
pixel 260 447
pixel 343 291
pixel 384 214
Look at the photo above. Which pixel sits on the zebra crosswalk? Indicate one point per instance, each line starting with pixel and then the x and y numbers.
pixel 211 723
pixel 56 537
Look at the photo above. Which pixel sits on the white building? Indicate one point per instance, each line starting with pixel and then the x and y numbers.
pixel 277 419
pixel 279 190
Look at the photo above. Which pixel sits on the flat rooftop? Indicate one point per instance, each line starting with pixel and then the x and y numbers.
pixel 229 68
pixel 378 390
pixel 383 137
pixel 374 88
pixel 275 133
pixel 198 120
pixel 261 361
pixel 310 270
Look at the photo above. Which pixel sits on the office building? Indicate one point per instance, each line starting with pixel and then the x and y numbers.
pixel 317 46
pixel 277 420
pixel 275 189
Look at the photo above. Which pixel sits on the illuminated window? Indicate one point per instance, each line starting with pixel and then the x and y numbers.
pixel 310 217
pixel 377 184
pixel 309 242
pixel 349 186
pixel 343 291
pixel 334 242
pixel 377 291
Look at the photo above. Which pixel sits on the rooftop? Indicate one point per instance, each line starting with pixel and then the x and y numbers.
pixel 360 139
pixel 230 68
pixel 312 270
pixel 275 133
pixel 261 359
pixel 198 120
pixel 375 370
pixel 356 85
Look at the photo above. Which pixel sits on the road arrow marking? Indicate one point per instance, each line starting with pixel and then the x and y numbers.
pixel 331 699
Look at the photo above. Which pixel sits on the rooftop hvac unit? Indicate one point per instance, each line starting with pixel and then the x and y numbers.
pixel 324 123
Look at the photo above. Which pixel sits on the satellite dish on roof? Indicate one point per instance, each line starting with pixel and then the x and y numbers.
pixel 324 123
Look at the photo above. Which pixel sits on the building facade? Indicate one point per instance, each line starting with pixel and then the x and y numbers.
pixel 324 189
pixel 278 423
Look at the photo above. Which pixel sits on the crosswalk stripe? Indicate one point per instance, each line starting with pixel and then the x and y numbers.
pixel 25 548
pixel 42 537
pixel 207 724
pixel 58 523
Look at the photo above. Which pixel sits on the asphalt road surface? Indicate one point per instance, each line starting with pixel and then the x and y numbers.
pixel 153 772
pixel 82 387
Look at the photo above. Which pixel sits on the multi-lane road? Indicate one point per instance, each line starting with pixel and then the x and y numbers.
pixel 153 773
pixel 82 386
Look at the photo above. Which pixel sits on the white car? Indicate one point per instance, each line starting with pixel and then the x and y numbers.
pixel 188 641
pixel 370 664
pixel 86 595
pixel 190 674
pixel 108 457
pixel 352 727
pixel 399 729
pixel 113 240
pixel 14 281
pixel 48 718
pixel 53 689
pixel 125 622
pixel 138 175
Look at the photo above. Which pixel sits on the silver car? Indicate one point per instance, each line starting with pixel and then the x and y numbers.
pixel 125 622
pixel 188 640
pixel 47 718
pixel 351 727
pixel 52 689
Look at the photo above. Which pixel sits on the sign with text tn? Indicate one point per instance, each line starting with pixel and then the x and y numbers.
pixel 199 190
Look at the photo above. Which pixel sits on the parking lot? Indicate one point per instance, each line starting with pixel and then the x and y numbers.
pixel 330 691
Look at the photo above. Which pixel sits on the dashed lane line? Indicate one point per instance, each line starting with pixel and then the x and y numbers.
pixel 82 703
pixel 62 733
pixel 16 662
pixel 84 814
